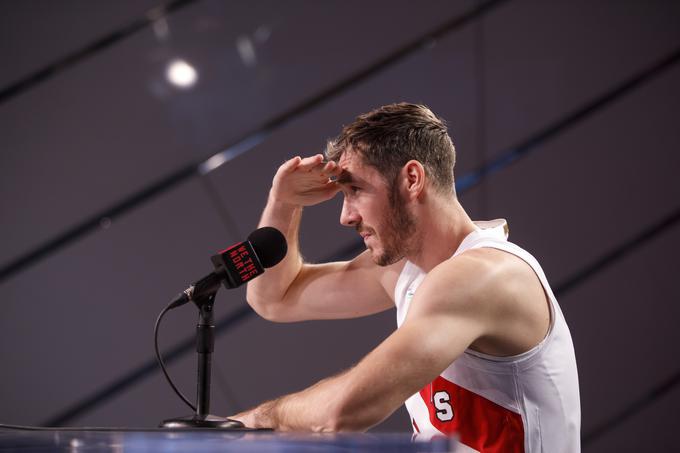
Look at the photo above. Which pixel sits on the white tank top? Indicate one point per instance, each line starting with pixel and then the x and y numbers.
pixel 524 403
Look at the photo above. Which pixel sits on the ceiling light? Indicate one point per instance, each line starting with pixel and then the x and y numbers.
pixel 181 74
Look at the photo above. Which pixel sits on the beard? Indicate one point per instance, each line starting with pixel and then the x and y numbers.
pixel 398 231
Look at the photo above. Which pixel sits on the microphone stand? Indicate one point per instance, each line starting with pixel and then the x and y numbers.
pixel 205 345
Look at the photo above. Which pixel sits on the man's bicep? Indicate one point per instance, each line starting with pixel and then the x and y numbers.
pixel 439 327
pixel 346 289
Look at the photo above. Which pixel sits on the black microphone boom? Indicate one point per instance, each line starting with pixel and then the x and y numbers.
pixel 238 264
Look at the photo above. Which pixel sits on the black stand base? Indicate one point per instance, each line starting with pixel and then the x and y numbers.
pixel 205 344
pixel 203 421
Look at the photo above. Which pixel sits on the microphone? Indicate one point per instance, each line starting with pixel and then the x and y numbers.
pixel 238 264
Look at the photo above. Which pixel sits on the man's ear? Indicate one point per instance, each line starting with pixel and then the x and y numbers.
pixel 412 176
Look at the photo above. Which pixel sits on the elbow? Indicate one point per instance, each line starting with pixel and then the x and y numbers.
pixel 266 307
pixel 262 309
pixel 269 298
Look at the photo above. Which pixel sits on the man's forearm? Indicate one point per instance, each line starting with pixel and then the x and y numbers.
pixel 286 218
pixel 269 289
pixel 318 409
pixel 298 182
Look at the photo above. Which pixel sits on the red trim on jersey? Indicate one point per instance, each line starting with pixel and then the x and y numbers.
pixel 415 425
pixel 480 423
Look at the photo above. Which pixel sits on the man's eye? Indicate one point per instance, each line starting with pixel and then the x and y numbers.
pixel 354 189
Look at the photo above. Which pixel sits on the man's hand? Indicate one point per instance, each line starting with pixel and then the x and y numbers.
pixel 305 182
pixel 251 419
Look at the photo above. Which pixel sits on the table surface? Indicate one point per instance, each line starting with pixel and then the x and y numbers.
pixel 77 440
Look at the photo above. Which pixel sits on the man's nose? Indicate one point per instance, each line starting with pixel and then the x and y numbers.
pixel 349 215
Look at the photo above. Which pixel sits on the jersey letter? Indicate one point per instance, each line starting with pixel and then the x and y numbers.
pixel 441 402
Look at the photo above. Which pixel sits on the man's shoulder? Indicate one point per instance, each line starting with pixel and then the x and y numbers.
pixel 481 277
pixel 490 266
pixel 494 290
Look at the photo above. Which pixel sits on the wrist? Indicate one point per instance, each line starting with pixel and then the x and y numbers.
pixel 281 203
pixel 265 415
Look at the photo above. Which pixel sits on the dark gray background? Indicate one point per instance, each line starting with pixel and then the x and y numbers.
pixel 108 125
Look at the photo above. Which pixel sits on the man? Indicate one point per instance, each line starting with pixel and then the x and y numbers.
pixel 482 349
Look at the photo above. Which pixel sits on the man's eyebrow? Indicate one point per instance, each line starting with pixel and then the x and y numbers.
pixel 345 177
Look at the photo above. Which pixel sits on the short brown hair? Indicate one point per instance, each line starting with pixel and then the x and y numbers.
pixel 389 136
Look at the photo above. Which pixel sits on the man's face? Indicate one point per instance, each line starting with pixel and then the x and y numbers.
pixel 375 210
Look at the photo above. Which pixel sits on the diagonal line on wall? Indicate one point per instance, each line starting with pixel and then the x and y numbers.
pixel 463 184
pixel 521 150
pixel 246 143
pixel 657 392
pixel 605 261
pixel 30 81
pixel 148 368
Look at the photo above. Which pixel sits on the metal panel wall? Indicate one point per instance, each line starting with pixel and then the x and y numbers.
pixel 104 128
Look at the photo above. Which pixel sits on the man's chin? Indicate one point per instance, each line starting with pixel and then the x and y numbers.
pixel 376 257
pixel 384 259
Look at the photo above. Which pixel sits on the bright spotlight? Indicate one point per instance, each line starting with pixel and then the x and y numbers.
pixel 181 74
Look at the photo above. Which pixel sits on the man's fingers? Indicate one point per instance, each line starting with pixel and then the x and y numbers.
pixel 329 190
pixel 308 163
pixel 311 163
pixel 331 168
pixel 291 164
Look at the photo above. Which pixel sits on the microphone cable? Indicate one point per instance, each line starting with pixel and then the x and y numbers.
pixel 170 306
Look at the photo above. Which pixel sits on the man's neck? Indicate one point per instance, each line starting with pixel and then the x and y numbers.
pixel 442 226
